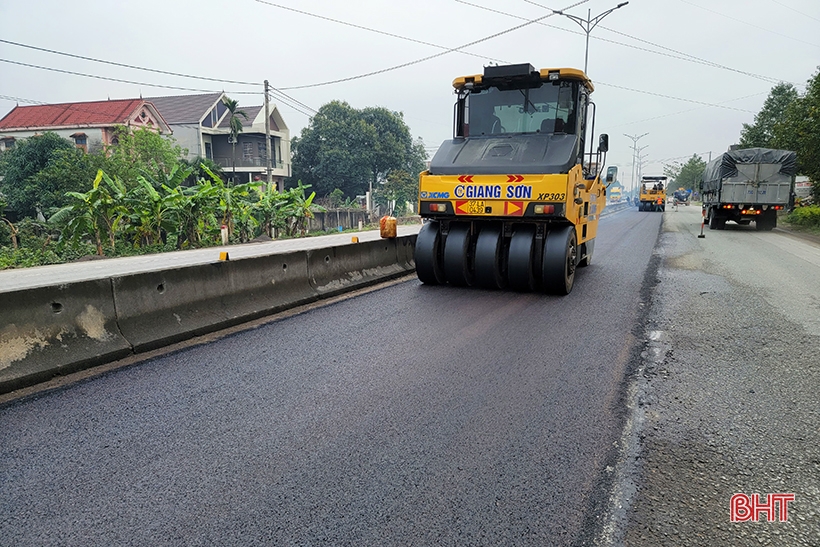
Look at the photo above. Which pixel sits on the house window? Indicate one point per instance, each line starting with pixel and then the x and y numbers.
pixel 247 150
pixel 209 153
pixel 263 153
pixel 80 141
pixel 8 142
pixel 214 117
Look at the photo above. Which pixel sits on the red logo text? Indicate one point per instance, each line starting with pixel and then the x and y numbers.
pixel 773 506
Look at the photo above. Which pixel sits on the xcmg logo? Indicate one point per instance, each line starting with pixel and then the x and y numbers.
pixel 434 195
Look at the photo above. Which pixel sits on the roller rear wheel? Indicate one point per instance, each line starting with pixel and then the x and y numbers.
pixel 427 254
pixel 520 262
pixel 489 258
pixel 560 259
pixel 458 256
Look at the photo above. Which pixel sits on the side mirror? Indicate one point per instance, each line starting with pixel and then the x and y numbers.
pixel 603 143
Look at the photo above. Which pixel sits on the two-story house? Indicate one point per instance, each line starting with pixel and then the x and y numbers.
pixel 201 124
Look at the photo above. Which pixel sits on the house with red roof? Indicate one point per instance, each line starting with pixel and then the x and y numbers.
pixel 200 124
pixel 90 125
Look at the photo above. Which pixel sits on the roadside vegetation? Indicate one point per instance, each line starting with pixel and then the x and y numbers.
pixel 136 198
pixel 807 218
pixel 59 203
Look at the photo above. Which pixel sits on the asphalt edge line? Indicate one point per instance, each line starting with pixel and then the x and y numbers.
pixel 622 480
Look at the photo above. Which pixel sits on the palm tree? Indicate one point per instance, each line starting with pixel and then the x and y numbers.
pixel 236 128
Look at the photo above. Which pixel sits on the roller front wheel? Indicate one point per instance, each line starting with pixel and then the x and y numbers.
pixel 560 259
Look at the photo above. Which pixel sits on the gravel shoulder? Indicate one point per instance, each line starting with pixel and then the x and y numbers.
pixel 726 396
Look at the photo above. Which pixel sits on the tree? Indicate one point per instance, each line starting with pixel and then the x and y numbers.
pixel 762 132
pixel 334 151
pixel 687 175
pixel 353 150
pixel 22 189
pixel 392 146
pixel 12 228
pixel 236 128
pixel 800 131
pixel 69 170
pixel 142 152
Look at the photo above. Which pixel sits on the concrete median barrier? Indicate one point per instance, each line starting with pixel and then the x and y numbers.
pixel 337 269
pixel 406 246
pixel 48 331
pixel 162 307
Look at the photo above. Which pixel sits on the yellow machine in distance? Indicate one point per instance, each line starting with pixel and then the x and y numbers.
pixel 653 194
pixel 513 200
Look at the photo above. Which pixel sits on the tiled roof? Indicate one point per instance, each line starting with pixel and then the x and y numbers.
pixel 185 108
pixel 70 114
pixel 251 111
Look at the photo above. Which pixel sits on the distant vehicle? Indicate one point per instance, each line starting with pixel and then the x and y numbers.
pixel 653 194
pixel 681 196
pixel 747 185
pixel 615 192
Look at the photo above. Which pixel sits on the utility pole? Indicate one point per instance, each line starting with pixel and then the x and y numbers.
pixel 267 137
pixel 635 152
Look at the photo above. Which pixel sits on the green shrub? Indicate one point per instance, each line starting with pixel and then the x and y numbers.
pixel 25 258
pixel 805 216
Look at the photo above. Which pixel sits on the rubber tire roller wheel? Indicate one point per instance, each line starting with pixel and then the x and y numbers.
pixel 520 273
pixel 489 257
pixel 458 256
pixel 427 254
pixel 560 260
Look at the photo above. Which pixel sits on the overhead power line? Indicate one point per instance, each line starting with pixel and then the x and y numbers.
pixel 687 110
pixel 370 29
pixel 135 67
pixel 124 81
pixel 750 24
pixel 279 94
pixel 678 54
pixel 434 56
pixel 717 105
pixel 794 10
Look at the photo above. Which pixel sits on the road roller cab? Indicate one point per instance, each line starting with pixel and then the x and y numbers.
pixel 513 200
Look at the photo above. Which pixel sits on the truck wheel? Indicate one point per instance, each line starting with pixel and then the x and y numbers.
pixel 560 259
pixel 712 220
pixel 458 256
pixel 520 260
pixel 427 254
pixel 489 255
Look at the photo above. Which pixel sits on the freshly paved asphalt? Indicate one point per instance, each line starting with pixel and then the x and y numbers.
pixel 408 415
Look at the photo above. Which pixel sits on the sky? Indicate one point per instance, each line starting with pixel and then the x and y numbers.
pixel 685 74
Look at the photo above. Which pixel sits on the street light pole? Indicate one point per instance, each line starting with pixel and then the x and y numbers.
pixel 588 24
pixel 635 152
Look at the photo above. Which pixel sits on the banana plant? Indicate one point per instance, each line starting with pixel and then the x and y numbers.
pixel 93 214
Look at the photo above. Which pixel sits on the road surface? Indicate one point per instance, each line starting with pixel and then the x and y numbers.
pixel 408 415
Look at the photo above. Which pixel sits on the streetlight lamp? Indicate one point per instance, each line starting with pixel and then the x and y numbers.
pixel 588 24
